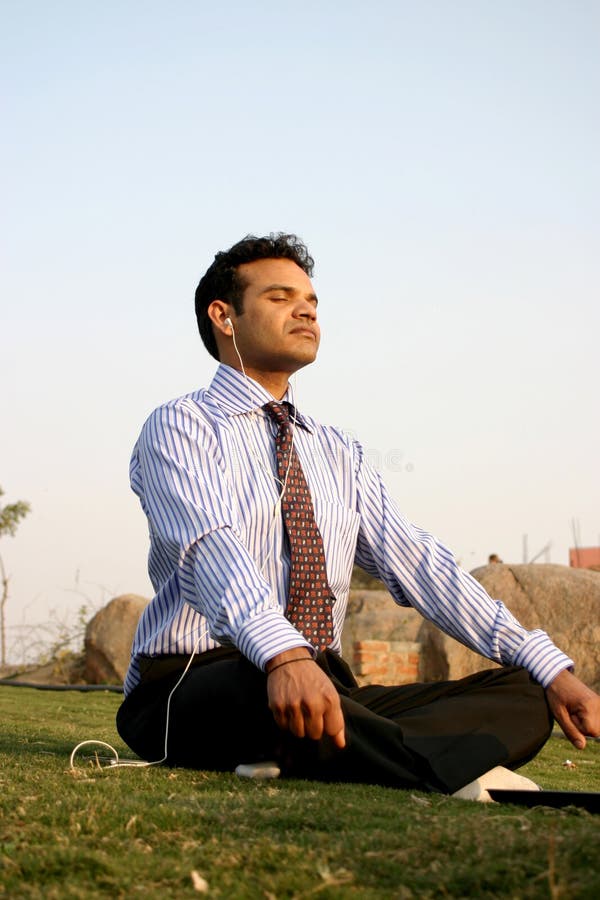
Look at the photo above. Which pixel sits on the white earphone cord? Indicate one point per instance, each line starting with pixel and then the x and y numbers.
pixel 116 763
pixel 256 454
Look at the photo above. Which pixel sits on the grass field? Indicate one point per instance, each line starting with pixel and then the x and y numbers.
pixel 177 833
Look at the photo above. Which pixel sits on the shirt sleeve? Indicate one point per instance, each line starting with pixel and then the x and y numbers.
pixel 421 572
pixel 183 482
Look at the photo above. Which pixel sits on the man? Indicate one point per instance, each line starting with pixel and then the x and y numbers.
pixel 256 515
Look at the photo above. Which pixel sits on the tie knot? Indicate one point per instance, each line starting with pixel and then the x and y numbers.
pixel 279 412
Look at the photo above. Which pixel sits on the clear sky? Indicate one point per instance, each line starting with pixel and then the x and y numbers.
pixel 441 160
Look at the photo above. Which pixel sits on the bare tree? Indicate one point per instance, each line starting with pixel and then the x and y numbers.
pixel 10 516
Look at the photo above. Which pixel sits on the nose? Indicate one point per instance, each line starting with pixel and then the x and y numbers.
pixel 306 309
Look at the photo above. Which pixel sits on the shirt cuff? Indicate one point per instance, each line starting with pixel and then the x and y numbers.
pixel 267 634
pixel 541 658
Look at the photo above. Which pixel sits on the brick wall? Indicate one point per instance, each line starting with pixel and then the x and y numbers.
pixel 585 557
pixel 386 662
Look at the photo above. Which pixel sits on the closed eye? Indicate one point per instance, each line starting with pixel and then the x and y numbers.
pixel 278 293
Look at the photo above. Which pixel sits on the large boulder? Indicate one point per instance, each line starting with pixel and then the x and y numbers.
pixel 564 602
pixel 108 639
pixel 373 615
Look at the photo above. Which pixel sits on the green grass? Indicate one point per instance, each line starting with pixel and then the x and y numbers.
pixel 142 832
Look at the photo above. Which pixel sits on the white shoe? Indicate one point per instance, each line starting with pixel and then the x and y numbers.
pixel 258 770
pixel 500 778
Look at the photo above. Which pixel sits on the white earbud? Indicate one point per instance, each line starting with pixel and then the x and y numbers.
pixel 229 322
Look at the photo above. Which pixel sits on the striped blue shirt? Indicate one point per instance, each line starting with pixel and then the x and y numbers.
pixel 204 470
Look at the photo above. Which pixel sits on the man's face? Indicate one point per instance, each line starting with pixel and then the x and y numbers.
pixel 277 330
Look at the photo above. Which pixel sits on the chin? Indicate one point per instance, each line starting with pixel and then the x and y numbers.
pixel 305 359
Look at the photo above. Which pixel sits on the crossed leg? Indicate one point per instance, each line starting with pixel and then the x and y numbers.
pixel 434 737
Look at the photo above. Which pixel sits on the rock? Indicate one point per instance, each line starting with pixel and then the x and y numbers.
pixel 108 639
pixel 374 616
pixel 563 601
pixel 65 669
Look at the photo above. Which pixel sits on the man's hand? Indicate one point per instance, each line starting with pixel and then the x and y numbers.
pixel 302 699
pixel 575 707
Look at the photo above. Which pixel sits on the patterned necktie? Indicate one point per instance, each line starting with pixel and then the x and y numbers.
pixel 309 597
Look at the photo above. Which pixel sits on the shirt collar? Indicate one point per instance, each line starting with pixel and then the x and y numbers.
pixel 238 395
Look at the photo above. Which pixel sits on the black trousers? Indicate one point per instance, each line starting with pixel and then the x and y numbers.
pixel 432 737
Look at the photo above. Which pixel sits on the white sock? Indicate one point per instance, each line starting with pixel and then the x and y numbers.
pixel 500 778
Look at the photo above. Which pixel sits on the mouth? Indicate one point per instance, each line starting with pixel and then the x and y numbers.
pixel 305 332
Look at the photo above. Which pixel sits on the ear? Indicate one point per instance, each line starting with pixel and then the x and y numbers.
pixel 218 311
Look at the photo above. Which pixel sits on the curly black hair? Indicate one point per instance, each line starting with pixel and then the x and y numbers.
pixel 222 281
